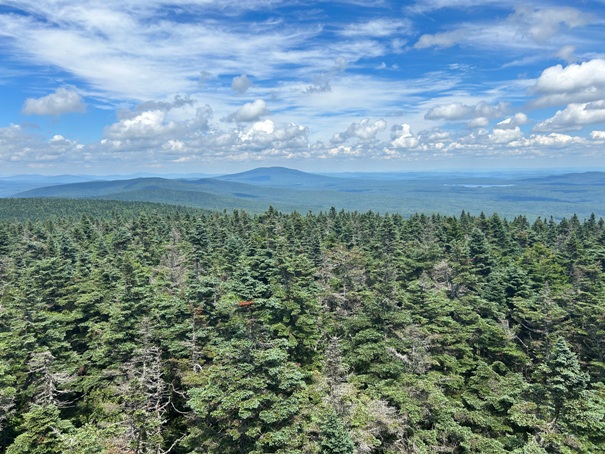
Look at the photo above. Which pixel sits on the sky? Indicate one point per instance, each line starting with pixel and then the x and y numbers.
pixel 213 86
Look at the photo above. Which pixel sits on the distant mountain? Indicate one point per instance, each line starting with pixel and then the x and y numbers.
pixel 12 185
pixel 207 193
pixel 288 190
pixel 283 177
pixel 15 184
pixel 584 178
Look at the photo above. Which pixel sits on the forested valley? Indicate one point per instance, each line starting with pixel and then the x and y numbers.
pixel 336 332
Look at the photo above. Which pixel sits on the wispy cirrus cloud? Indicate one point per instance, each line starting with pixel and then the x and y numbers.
pixel 526 28
pixel 134 51
pixel 378 28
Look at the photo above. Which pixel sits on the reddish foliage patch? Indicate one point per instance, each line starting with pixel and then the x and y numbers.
pixel 245 303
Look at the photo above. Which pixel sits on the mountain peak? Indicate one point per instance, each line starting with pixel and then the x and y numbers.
pixel 276 176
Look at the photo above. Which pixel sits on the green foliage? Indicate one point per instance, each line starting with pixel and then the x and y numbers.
pixel 42 432
pixel 334 437
pixel 339 332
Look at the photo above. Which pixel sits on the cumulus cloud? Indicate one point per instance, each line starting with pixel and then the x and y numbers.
pixel 148 124
pixel 402 137
pixel 22 148
pixel 159 131
pixel 251 111
pixel 266 132
pixel 505 135
pixel 574 116
pixel 175 146
pixel 436 135
pixel 513 122
pixel 597 135
pixel 551 140
pixel 62 101
pixel 457 111
pixel 240 84
pixel 479 122
pixel 58 139
pixel 262 138
pixel 582 82
pixel 364 130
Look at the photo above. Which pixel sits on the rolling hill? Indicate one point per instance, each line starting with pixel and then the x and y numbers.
pixel 285 189
pixel 284 177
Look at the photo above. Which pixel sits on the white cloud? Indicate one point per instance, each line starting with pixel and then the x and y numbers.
pixel 261 127
pixel 178 102
pixel 148 124
pixel 426 6
pixel 575 83
pixel 62 101
pixel 457 111
pixel 505 135
pixel 265 132
pixel 378 28
pixel 442 40
pixel 437 135
pixel 175 146
pixel 322 82
pixel 57 138
pixel 402 137
pixel 525 29
pixel 22 148
pixel 479 122
pixel 513 122
pixel 364 130
pixel 134 50
pixel 340 65
pixel 543 24
pixel 251 111
pixel 240 84
pixel 551 140
pixel 574 116
pixel 597 135
pixel 567 53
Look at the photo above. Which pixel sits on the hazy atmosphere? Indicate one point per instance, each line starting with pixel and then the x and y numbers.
pixel 213 86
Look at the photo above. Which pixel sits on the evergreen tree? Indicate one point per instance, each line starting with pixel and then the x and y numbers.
pixel 335 439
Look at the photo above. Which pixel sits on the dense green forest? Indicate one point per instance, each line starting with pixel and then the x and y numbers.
pixel 42 209
pixel 337 332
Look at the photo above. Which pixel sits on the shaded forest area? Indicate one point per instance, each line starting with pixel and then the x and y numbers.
pixel 338 332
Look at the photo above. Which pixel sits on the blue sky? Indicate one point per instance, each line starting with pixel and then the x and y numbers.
pixel 214 86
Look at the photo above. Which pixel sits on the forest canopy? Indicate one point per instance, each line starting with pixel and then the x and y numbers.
pixel 156 330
